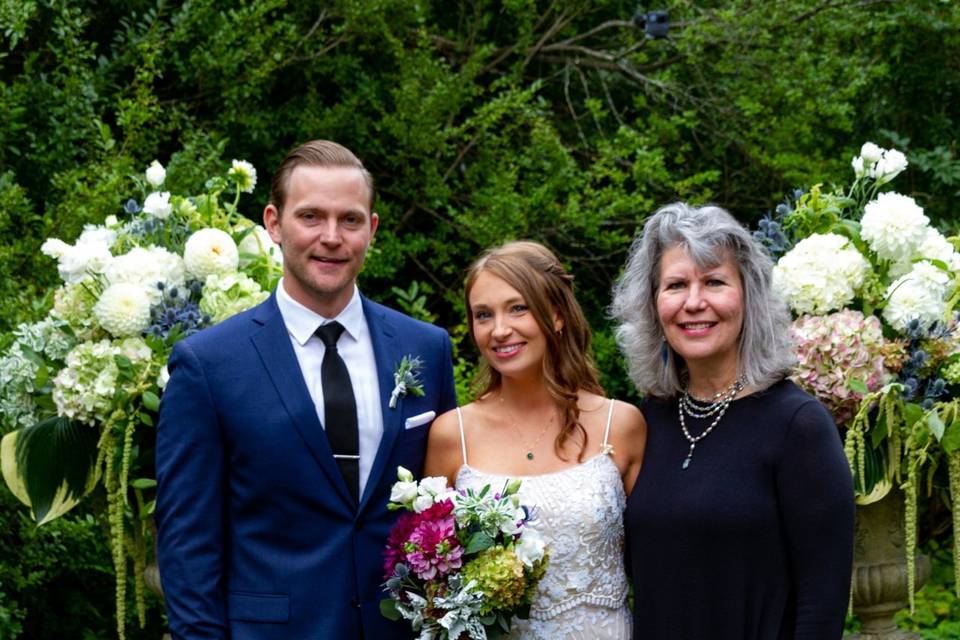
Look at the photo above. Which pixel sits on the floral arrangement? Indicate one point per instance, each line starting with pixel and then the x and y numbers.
pixel 874 288
pixel 460 564
pixel 80 389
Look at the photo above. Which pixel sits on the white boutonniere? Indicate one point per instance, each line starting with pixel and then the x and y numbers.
pixel 406 379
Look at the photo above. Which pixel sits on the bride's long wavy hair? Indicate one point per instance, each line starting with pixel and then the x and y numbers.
pixel 547 290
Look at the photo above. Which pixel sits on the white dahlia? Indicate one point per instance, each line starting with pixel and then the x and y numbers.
pixel 210 251
pixel 821 273
pixel 894 226
pixel 158 205
pixel 123 309
pixel 244 174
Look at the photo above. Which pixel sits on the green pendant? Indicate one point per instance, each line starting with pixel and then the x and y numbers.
pixel 529 455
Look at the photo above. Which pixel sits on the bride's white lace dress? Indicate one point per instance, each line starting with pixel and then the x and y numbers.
pixel 579 513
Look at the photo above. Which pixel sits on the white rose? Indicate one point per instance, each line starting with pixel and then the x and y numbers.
pixel 422 503
pixel 889 166
pixel 156 174
pixel 54 248
pixel 158 205
pixel 857 164
pixel 894 226
pixel 210 251
pixel 433 486
pixel 870 153
pixel 123 309
pixel 531 547
pixel 403 492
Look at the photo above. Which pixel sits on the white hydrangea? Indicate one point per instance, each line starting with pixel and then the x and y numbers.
pixel 147 267
pixel 821 273
pixel 894 226
pixel 917 295
pixel 156 174
pixel 90 254
pixel 244 174
pixel 256 243
pixel 158 204
pixel 210 251
pixel 892 164
pixel 123 309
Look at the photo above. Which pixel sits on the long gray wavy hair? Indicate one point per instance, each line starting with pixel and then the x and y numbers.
pixel 709 234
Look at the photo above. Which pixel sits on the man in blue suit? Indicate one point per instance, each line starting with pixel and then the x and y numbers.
pixel 281 430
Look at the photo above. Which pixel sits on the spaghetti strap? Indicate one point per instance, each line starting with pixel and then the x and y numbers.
pixel 463 441
pixel 606 431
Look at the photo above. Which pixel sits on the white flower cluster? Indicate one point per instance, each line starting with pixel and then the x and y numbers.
pixel 883 165
pixel 917 295
pixel 89 255
pixel 259 243
pixel 83 390
pixel 148 267
pixel 419 496
pixel 894 226
pixel 821 273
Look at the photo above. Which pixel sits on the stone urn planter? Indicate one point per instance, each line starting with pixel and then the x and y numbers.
pixel 880 569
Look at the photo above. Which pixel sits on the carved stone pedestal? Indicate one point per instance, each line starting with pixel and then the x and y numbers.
pixel 880 569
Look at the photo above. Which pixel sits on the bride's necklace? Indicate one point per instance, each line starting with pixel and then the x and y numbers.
pixel 529 448
pixel 696 408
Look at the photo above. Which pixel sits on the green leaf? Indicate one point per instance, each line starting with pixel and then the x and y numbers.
pixel 143 483
pixel 911 413
pixel 388 609
pixel 124 368
pixel 151 400
pixel 146 419
pixel 54 452
pixel 951 437
pixel 936 425
pixel 504 622
pixel 478 542
pixel 878 433
pixel 857 385
pixel 488 619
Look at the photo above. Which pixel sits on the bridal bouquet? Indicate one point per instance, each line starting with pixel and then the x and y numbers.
pixel 460 564
pixel 875 288
pixel 80 389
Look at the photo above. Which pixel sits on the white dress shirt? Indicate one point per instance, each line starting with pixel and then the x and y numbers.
pixel 356 349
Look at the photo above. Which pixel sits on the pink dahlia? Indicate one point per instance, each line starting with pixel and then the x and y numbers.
pixel 433 549
pixel 394 553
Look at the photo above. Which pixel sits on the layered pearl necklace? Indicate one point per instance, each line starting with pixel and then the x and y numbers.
pixel 717 405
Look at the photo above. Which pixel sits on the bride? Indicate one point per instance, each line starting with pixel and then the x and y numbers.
pixel 541 417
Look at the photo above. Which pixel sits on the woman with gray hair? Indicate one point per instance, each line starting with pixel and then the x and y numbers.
pixel 740 525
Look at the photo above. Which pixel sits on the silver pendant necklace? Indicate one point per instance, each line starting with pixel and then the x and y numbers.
pixel 704 409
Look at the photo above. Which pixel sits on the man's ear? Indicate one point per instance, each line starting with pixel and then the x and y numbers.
pixel 374 223
pixel 271 222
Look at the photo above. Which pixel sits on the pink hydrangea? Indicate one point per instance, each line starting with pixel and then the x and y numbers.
pixel 432 548
pixel 833 350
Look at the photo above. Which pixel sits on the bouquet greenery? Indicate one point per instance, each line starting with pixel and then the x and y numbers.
pixel 80 389
pixel 874 287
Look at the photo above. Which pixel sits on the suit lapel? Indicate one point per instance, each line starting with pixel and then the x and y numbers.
pixel 272 342
pixel 387 352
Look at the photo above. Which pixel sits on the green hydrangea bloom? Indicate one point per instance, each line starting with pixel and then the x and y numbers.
pixel 951 373
pixel 228 294
pixel 499 575
pixel 73 303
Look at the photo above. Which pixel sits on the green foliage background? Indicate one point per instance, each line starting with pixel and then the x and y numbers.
pixel 482 121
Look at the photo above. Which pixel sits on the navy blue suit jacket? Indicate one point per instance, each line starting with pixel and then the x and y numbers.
pixel 258 537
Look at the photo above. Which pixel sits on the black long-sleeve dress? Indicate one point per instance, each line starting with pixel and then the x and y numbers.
pixel 754 540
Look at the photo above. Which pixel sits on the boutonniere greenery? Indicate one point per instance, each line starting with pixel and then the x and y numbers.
pixel 406 379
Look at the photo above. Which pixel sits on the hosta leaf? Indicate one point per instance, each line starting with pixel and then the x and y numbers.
pixel 55 461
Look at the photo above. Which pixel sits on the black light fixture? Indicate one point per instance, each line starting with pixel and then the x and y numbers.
pixel 655 24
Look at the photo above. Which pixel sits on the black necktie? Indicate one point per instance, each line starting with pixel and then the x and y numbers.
pixel 340 408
